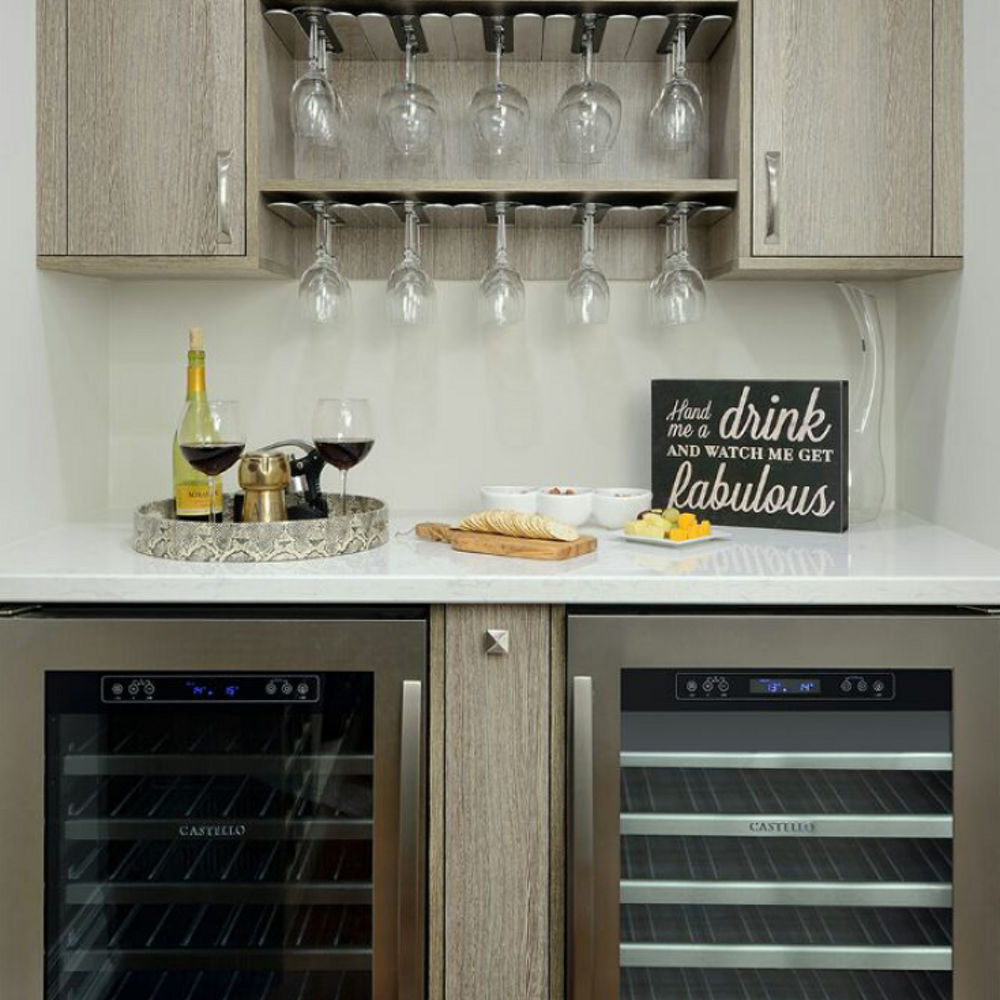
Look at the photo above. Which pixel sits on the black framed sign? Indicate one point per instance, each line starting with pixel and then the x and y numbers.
pixel 752 452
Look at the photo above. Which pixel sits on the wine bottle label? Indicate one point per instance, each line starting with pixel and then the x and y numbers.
pixel 192 499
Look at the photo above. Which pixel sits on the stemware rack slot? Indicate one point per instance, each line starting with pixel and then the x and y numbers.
pixel 456 215
pixel 468 36
pixel 544 237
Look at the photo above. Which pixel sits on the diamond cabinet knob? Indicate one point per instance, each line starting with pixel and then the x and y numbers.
pixel 497 642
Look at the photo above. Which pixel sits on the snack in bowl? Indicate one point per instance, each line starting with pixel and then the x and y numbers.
pixel 569 504
pixel 518 525
pixel 670 524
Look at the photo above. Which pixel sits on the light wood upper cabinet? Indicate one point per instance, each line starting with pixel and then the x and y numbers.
pixel 156 127
pixel 842 128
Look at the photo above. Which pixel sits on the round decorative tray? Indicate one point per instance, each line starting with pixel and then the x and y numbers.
pixel 159 533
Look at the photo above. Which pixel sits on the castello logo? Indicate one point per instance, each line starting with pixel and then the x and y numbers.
pixel 782 826
pixel 230 832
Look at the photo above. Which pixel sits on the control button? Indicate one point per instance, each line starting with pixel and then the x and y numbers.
pixel 723 685
pixel 846 686
pixel 862 686
pixel 303 688
pixel 878 686
pixel 286 688
pixel 707 686
pixel 271 688
pixel 117 689
pixel 133 688
pixel 692 686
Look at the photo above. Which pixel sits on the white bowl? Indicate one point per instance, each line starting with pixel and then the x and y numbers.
pixel 523 499
pixel 570 508
pixel 616 506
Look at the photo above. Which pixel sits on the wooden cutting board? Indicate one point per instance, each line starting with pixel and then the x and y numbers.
pixel 504 545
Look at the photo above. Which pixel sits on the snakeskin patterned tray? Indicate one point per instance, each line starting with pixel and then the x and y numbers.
pixel 159 533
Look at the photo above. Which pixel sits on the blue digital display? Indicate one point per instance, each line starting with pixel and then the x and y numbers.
pixel 203 692
pixel 784 685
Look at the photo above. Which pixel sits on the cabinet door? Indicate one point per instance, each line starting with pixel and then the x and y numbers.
pixel 842 128
pixel 156 127
pixel 496 809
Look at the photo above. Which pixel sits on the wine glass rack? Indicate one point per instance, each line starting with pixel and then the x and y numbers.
pixel 466 36
pixel 363 179
pixel 630 240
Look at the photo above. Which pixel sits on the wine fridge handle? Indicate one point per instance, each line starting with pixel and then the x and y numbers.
pixel 408 936
pixel 582 841
pixel 772 165
pixel 223 197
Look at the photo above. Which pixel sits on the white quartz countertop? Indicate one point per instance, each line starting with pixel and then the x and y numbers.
pixel 897 560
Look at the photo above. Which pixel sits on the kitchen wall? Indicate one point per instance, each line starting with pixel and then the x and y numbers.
pixel 948 406
pixel 54 333
pixel 456 406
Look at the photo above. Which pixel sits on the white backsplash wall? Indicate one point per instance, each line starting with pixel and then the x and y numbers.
pixel 949 351
pixel 54 334
pixel 455 406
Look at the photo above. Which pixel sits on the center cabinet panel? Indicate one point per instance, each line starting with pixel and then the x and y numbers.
pixel 496 809
pixel 156 127
pixel 842 122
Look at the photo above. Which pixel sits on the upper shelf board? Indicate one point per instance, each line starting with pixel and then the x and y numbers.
pixel 473 214
pixel 370 35
pixel 535 191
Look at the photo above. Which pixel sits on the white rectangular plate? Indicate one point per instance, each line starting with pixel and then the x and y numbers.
pixel 716 536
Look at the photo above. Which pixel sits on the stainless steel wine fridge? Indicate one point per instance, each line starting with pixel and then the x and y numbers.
pixel 223 806
pixel 784 807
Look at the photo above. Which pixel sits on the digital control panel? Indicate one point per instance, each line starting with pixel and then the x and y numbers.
pixel 866 685
pixel 187 689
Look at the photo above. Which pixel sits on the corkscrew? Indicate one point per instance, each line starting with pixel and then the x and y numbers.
pixel 305 480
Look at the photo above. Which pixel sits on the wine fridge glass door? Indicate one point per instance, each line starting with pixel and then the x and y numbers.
pixel 780 807
pixel 233 809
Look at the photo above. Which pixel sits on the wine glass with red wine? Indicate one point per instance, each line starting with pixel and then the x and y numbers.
pixel 343 433
pixel 211 439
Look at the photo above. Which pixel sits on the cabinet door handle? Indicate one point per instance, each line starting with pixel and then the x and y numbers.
pixel 582 842
pixel 223 196
pixel 772 164
pixel 409 949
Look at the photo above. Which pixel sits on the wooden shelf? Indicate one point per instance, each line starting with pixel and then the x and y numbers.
pixel 563 191
pixel 836 268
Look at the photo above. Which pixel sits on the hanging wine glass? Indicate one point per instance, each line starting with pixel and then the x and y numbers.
pixel 677 293
pixel 324 293
pixel 589 114
pixel 501 290
pixel 316 108
pixel 588 297
pixel 410 294
pixel 499 112
pixel 408 112
pixel 675 120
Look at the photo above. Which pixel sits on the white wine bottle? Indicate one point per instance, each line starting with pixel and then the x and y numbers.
pixel 191 488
